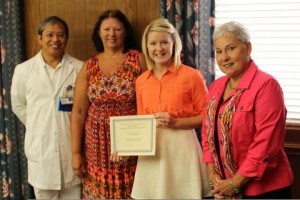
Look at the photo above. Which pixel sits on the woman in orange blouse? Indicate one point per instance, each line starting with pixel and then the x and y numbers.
pixel 174 93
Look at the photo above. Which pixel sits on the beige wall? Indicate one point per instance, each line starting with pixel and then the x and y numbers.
pixel 81 16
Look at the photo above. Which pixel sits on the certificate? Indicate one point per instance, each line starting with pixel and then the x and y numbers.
pixel 133 135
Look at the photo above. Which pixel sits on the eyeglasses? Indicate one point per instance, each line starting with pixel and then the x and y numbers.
pixel 58 35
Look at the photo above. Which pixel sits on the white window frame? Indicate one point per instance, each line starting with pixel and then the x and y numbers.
pixel 274 27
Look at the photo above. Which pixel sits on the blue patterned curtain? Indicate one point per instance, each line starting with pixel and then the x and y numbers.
pixel 13 177
pixel 194 20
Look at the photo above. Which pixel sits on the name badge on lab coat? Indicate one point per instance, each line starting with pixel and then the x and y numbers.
pixel 65 103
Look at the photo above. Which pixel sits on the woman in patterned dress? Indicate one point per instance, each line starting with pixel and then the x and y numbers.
pixel 105 87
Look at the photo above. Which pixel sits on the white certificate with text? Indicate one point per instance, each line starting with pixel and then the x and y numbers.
pixel 133 135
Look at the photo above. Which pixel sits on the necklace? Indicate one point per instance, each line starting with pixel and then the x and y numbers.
pixel 229 84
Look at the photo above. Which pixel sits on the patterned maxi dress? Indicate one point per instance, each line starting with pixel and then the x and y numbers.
pixel 109 96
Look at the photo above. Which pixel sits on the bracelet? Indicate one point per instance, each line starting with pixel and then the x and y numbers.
pixel 210 183
pixel 233 187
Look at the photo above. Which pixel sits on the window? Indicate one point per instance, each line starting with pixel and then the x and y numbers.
pixel 274 27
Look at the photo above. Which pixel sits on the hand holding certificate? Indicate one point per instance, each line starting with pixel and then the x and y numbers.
pixel 133 135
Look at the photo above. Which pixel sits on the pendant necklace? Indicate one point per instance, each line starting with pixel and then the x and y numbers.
pixel 229 84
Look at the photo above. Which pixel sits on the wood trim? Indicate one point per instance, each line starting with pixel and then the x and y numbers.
pixel 292 148
pixel 292 140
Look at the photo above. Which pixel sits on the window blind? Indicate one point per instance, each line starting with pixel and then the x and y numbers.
pixel 274 27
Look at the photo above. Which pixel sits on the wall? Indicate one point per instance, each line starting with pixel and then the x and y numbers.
pixel 81 16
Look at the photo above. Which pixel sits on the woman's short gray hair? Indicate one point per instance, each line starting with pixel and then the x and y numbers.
pixel 234 29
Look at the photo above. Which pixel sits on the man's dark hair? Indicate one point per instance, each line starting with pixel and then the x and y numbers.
pixel 53 20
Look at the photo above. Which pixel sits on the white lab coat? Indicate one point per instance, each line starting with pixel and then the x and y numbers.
pixel 35 102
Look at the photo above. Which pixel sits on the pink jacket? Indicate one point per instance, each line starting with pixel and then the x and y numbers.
pixel 258 131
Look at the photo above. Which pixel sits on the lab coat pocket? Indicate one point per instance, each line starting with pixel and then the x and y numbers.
pixel 33 149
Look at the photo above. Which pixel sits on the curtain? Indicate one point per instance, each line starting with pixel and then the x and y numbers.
pixel 194 20
pixel 13 174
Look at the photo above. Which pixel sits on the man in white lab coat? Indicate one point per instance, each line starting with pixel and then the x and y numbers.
pixel 41 95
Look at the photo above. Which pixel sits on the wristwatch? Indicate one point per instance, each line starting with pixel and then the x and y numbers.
pixel 234 188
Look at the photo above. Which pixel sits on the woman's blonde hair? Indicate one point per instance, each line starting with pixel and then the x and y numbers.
pixel 162 25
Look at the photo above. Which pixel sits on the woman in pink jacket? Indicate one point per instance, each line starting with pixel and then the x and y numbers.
pixel 244 127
